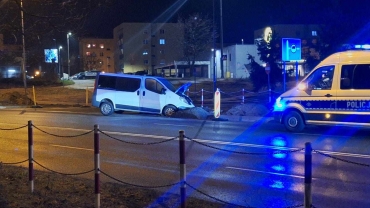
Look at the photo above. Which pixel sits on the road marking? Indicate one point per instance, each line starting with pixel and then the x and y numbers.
pixel 70 147
pixel 173 125
pixel 267 172
pixel 345 154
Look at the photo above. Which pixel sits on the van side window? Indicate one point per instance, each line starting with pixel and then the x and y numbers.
pixel 128 84
pixel 153 85
pixel 107 82
pixel 361 76
pixel 355 76
pixel 321 78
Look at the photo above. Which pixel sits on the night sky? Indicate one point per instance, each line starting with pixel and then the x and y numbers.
pixel 240 17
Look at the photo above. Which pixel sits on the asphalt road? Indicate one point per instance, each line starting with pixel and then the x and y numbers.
pixel 250 172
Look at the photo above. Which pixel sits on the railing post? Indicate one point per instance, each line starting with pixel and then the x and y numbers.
pixel 307 175
pixel 97 165
pixel 202 98
pixel 243 96
pixel 182 168
pixel 30 155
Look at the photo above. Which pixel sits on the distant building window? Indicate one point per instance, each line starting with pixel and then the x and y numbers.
pixel 88 53
pixel 314 33
pixel 153 46
pixel 161 51
pixel 163 62
pixel 145 52
pixel 121 56
pixel 146 62
pixel 94 45
pixel 145 32
pixel 162 41
pixel 145 41
pixel 108 49
pixel 101 54
pixel 101 46
pixel 161 31
pixel 88 45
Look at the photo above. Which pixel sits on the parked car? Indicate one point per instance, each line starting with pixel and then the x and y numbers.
pixel 79 75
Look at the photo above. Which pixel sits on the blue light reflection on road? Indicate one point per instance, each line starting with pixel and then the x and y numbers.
pixel 208 167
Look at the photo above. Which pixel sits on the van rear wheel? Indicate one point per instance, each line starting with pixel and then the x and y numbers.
pixel 293 121
pixel 169 110
pixel 106 108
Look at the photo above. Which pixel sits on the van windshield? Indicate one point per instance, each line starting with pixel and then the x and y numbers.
pixel 168 84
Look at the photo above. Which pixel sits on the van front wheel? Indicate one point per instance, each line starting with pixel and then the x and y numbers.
pixel 169 110
pixel 293 121
pixel 106 108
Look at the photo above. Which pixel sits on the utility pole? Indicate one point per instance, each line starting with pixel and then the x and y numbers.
pixel 24 52
pixel 222 41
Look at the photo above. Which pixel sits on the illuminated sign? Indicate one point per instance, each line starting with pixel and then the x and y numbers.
pixel 291 49
pixel 51 55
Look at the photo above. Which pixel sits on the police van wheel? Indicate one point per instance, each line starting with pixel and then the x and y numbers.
pixel 169 110
pixel 293 121
pixel 106 108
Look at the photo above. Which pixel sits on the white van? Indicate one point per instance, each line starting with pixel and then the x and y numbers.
pixel 113 92
pixel 335 92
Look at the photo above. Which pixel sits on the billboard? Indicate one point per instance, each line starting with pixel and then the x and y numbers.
pixel 291 49
pixel 51 55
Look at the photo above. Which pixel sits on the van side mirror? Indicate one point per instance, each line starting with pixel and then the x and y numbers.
pixel 163 91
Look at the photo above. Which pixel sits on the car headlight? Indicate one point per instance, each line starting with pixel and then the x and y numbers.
pixel 279 104
pixel 184 100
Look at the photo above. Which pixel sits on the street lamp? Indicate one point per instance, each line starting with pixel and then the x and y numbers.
pixel 69 65
pixel 59 60
pixel 24 52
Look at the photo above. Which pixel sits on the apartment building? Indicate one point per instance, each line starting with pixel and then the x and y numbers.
pixel 97 54
pixel 145 47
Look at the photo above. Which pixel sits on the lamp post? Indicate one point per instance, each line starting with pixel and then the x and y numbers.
pixel 24 52
pixel 69 65
pixel 222 41
pixel 59 60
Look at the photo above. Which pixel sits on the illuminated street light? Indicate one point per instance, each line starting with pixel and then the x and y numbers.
pixel 69 65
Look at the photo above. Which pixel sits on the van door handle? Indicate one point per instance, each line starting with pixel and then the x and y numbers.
pixel 328 95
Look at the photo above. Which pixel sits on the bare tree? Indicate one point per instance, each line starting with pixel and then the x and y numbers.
pixel 45 20
pixel 198 36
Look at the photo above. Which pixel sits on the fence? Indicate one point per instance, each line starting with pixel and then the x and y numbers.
pixel 182 183
pixel 241 97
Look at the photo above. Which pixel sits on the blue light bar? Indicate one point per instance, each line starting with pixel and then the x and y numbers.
pixel 366 46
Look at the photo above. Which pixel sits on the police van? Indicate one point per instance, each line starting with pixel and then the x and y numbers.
pixel 148 94
pixel 335 92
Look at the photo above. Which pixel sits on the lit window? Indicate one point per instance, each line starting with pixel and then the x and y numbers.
pixel 162 41
pixel 314 33
pixel 145 52
pixel 94 45
pixel 88 45
pixel 101 46
pixel 88 53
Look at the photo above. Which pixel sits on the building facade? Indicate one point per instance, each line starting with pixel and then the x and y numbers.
pixel 145 47
pixel 97 54
pixel 7 71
